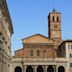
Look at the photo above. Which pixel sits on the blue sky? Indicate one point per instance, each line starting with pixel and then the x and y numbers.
pixel 29 17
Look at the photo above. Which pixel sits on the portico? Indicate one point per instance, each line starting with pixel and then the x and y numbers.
pixel 43 65
pixel 48 68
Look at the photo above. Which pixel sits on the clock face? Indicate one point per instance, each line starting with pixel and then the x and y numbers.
pixel 55 34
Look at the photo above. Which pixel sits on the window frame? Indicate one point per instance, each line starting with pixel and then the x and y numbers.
pixel 31 53
pixel 38 52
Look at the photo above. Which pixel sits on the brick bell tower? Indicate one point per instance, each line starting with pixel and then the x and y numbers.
pixel 54 25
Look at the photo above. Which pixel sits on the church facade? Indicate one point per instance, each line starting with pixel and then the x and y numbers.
pixel 39 53
pixel 44 54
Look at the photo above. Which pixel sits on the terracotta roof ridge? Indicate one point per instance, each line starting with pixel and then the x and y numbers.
pixel 35 35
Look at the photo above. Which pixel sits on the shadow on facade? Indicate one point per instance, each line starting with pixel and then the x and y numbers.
pixel 50 68
pixel 18 69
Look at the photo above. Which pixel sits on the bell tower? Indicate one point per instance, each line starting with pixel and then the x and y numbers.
pixel 54 25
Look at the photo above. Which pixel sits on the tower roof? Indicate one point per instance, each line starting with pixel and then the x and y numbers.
pixel 54 10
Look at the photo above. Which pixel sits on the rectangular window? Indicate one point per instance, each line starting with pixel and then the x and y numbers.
pixel 31 53
pixel 0 33
pixel 69 46
pixel 70 55
pixel 70 64
pixel 0 42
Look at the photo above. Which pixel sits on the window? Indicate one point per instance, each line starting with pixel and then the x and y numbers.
pixel 70 64
pixel 53 18
pixel 70 55
pixel 0 33
pixel 44 51
pixel 69 46
pixel 0 42
pixel 38 53
pixel 9 47
pixel 6 42
pixel 3 38
pixel 31 53
pixel 57 19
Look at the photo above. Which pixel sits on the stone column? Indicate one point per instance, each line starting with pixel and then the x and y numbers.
pixel 46 68
pixel 35 68
pixel 56 68
pixel 24 68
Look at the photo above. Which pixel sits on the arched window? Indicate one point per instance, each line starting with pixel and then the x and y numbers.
pixel 1 42
pixel 44 51
pixel 31 53
pixel 40 69
pixel 38 53
pixel 18 69
pixel 61 69
pixel 53 18
pixel 50 69
pixel 57 19
pixel 0 33
pixel 29 69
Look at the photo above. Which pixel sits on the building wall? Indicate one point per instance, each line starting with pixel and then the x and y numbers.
pixel 69 50
pixel 37 51
pixel 39 62
pixel 5 39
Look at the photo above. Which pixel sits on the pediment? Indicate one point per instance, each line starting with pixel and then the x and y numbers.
pixel 38 38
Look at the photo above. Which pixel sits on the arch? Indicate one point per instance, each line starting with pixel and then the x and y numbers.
pixel 53 18
pixel 57 19
pixel 31 53
pixel 50 69
pixel 29 69
pixel 18 69
pixel 61 69
pixel 38 52
pixel 40 69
